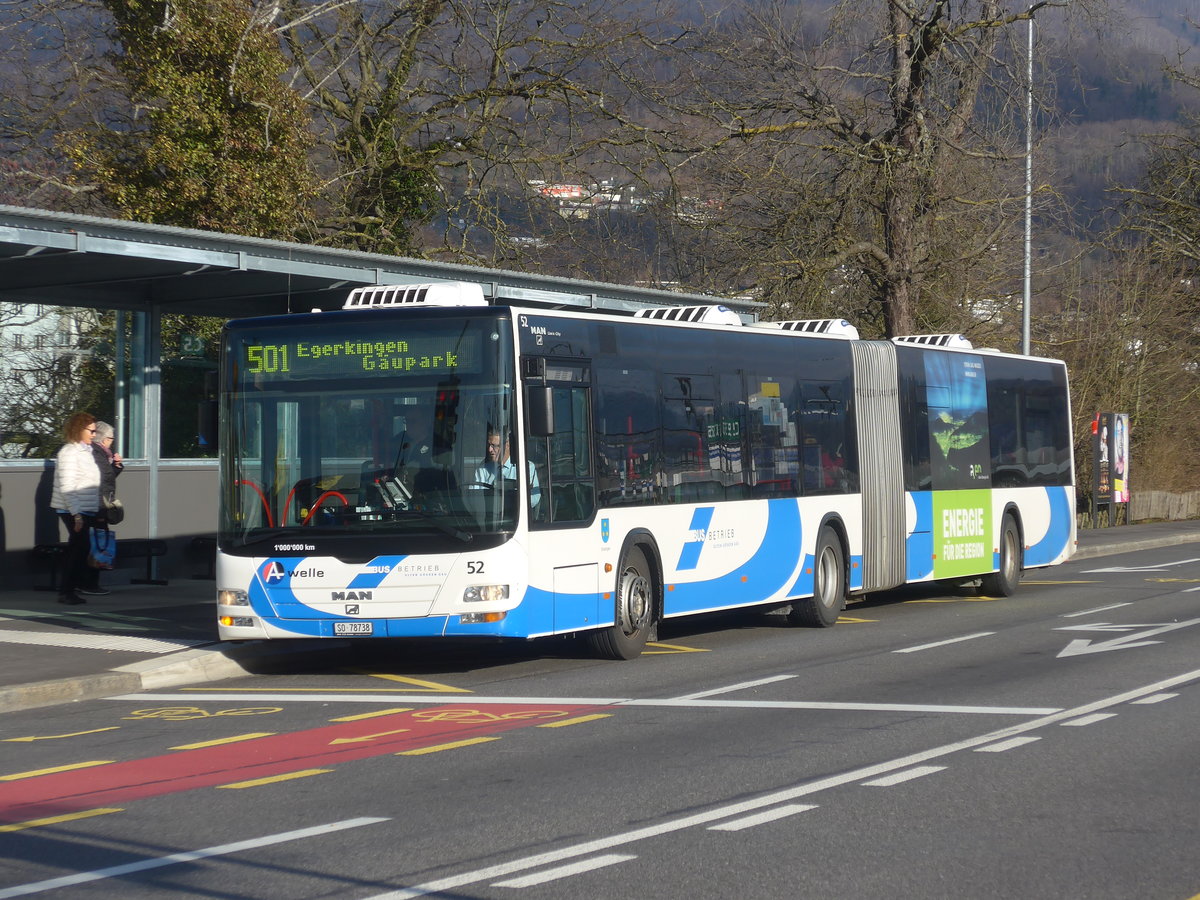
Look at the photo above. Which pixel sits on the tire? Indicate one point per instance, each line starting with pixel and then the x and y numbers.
pixel 821 610
pixel 1004 583
pixel 636 608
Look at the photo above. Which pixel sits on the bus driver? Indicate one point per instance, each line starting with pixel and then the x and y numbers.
pixel 497 462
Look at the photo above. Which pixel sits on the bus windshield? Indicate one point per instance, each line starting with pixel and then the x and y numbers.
pixel 339 428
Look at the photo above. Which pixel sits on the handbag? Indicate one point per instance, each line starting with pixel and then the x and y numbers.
pixel 114 512
pixel 103 549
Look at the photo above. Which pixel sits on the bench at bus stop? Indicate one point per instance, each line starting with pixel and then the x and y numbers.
pixel 49 558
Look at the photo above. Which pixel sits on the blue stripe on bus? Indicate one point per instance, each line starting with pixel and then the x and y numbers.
pixel 918 547
pixel 689 556
pixel 1058 532
pixel 373 579
pixel 767 572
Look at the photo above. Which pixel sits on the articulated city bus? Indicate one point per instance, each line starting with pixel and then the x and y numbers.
pixel 424 464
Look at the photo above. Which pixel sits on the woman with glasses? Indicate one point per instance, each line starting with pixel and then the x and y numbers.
pixel 76 499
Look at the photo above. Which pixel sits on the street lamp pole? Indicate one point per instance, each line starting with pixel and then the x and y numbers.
pixel 1028 190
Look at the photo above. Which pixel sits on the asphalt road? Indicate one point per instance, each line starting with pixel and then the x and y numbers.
pixel 934 744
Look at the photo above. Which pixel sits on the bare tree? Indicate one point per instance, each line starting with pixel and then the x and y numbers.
pixel 438 112
pixel 867 160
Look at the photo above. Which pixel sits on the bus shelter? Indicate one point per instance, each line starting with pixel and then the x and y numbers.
pixel 141 272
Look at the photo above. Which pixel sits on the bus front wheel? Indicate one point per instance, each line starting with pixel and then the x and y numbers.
pixel 829 585
pixel 1004 583
pixel 634 614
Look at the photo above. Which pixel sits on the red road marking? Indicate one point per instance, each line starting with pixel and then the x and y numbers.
pixel 62 792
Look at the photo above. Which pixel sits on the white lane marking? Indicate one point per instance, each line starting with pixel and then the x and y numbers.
pixel 1156 698
pixel 901 777
pixel 454 882
pixel 1088 720
pixel 763 818
pixel 1098 609
pixel 1158 568
pixel 594 701
pixel 1008 745
pixel 36 887
pixel 1082 646
pixel 567 871
pixel 99 641
pixel 965 637
pixel 735 687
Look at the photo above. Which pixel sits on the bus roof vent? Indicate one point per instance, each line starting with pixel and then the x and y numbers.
pixel 709 315
pixel 832 327
pixel 956 341
pixel 438 293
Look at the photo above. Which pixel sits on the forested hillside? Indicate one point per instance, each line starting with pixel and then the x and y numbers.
pixel 859 158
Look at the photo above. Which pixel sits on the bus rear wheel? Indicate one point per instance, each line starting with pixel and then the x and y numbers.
pixel 1004 582
pixel 829 585
pixel 635 611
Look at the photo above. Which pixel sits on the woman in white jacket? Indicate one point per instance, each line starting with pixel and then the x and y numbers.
pixel 76 499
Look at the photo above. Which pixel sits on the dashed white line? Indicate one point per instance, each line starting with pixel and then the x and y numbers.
pixel 587 865
pixel 1090 612
pixel 1156 698
pixel 771 815
pixel 965 637
pixel 901 777
pixel 736 687
pixel 1088 720
pixel 1010 744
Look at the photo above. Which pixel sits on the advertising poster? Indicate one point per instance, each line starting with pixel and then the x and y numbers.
pixel 1102 486
pixel 1120 458
pixel 960 459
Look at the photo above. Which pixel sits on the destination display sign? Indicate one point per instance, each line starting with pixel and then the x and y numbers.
pixel 362 352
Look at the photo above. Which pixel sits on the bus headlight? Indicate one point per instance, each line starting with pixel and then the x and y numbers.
pixel 237 621
pixel 486 593
pixel 233 598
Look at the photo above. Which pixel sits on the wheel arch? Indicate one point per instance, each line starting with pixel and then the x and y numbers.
pixel 643 540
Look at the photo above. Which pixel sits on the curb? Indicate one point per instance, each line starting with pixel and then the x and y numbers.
pixel 1166 540
pixel 218 662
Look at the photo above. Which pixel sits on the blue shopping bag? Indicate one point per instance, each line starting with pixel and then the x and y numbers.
pixel 103 549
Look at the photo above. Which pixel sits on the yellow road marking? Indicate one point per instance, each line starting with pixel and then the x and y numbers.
pixel 54 737
pixel 451 746
pixel 17 776
pixel 1175 580
pixel 957 600
pixel 372 715
pixel 672 648
pixel 433 686
pixel 576 721
pixel 257 782
pixel 851 620
pixel 259 690
pixel 225 740
pixel 366 737
pixel 56 820
pixel 1061 582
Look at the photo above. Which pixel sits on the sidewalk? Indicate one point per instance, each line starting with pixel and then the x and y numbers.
pixel 149 636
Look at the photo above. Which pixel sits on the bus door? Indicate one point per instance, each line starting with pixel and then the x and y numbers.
pixel 559 448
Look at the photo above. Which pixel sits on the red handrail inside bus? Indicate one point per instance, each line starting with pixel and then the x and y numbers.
pixel 262 497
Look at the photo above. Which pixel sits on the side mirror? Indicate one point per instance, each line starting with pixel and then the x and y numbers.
pixel 539 411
